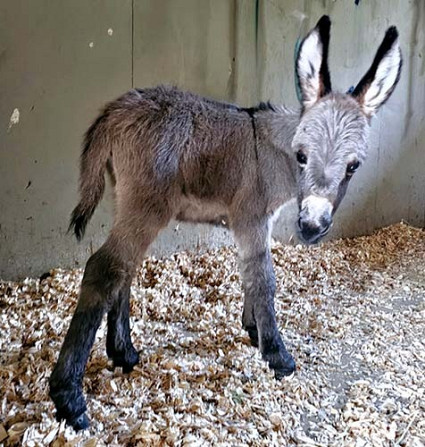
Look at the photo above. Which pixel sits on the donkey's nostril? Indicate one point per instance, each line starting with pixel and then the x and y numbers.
pixel 300 224
pixel 311 232
pixel 309 229
pixel 325 222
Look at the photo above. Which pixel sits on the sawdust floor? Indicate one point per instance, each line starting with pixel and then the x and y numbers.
pixel 352 313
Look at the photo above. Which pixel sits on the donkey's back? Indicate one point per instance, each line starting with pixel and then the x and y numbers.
pixel 173 132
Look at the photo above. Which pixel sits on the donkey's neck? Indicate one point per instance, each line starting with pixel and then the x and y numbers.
pixel 275 130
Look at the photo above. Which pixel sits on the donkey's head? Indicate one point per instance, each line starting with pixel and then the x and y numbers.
pixel 331 140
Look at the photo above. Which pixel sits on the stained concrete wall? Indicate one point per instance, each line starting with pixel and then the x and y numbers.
pixel 60 61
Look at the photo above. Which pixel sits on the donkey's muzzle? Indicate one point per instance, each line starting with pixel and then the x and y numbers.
pixel 315 218
pixel 311 233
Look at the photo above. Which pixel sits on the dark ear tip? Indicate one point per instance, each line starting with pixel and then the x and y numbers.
pixel 391 35
pixel 324 23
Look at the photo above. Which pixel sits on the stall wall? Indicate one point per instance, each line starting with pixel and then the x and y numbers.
pixel 61 61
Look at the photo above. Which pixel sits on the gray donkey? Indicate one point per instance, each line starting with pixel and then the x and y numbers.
pixel 173 154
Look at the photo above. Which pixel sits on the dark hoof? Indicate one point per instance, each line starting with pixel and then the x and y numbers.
pixel 79 423
pixel 253 336
pixel 126 360
pixel 69 402
pixel 287 371
pixel 279 359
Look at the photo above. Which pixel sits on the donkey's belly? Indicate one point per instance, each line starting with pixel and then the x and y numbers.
pixel 198 211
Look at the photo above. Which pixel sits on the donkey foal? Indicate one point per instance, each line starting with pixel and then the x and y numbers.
pixel 173 154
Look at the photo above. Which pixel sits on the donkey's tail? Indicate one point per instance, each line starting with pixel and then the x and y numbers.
pixel 94 157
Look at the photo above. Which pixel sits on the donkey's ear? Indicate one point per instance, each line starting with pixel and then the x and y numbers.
pixel 380 80
pixel 312 64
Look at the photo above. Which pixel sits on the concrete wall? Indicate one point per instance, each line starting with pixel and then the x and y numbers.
pixel 60 61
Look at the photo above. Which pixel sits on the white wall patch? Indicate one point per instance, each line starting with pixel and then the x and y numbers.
pixel 14 119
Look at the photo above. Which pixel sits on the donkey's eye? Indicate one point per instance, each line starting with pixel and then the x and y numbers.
pixel 352 167
pixel 301 158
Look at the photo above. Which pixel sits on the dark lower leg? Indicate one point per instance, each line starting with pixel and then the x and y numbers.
pixel 66 379
pixel 271 345
pixel 259 314
pixel 248 321
pixel 103 278
pixel 118 340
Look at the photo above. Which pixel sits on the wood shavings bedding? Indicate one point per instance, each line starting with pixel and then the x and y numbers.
pixel 352 313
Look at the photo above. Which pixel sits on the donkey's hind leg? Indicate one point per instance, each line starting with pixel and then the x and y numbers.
pixel 105 288
pixel 118 340
pixel 104 276
pixel 144 227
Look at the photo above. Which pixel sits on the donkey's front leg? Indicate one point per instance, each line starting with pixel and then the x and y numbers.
pixel 259 287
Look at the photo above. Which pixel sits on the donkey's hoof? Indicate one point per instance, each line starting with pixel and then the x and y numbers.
pixel 126 360
pixel 279 359
pixel 253 336
pixel 282 366
pixel 284 372
pixel 79 423
pixel 69 402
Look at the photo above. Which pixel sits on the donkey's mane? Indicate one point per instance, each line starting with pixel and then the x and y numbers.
pixel 261 107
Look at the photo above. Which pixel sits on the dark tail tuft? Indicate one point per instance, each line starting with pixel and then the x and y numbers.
pixel 79 221
pixel 94 158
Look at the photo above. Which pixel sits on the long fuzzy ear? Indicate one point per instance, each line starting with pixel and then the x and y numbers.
pixel 380 80
pixel 312 64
